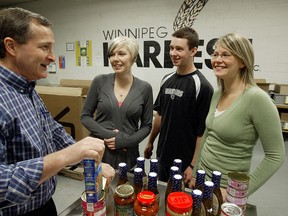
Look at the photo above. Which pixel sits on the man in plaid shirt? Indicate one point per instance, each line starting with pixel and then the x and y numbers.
pixel 33 146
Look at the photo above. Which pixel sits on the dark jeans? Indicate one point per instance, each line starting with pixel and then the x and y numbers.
pixel 163 173
pixel 48 209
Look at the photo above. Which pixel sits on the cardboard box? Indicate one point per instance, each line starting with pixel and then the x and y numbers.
pixel 281 88
pixel 280 99
pixel 263 84
pixel 84 84
pixel 65 105
pixel 284 117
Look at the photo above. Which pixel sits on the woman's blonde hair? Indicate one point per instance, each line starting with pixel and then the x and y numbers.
pixel 124 41
pixel 242 48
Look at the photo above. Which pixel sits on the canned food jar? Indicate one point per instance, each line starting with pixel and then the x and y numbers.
pixel 146 204
pixel 230 209
pixel 93 209
pixel 238 180
pixel 179 204
pixel 124 198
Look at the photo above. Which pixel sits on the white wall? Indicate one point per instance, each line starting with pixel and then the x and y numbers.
pixel 264 21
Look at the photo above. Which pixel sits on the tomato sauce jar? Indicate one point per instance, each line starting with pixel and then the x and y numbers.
pixel 124 198
pixel 146 204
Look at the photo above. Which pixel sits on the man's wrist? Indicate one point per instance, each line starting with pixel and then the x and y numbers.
pixel 191 166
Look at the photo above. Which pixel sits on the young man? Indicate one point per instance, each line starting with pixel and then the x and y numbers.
pixel 33 147
pixel 181 105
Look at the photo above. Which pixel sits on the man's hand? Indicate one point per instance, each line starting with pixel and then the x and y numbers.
pixel 88 147
pixel 108 172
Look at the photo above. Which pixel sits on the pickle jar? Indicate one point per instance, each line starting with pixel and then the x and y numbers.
pixel 124 198
pixel 146 204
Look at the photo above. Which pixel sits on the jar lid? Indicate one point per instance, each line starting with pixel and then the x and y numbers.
pixel 179 202
pixel 146 197
pixel 124 190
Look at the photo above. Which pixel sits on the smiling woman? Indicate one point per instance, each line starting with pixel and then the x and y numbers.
pixel 123 106
pixel 238 117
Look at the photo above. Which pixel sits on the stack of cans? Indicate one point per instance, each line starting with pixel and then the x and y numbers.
pixel 237 189
pixel 93 181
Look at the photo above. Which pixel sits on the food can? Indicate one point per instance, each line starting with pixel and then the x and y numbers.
pixel 93 209
pixel 93 180
pixel 238 180
pixel 230 209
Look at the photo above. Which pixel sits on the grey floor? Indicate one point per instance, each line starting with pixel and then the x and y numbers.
pixel 271 199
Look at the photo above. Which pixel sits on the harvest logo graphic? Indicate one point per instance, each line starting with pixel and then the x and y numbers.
pixel 187 13
pixel 155 47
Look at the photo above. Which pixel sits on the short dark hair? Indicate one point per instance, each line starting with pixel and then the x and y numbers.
pixel 15 23
pixel 190 34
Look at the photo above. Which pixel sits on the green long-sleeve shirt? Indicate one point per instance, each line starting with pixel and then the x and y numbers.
pixel 228 142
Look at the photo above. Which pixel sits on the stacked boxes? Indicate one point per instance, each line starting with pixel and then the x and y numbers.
pixel 281 99
pixel 263 84
pixel 281 94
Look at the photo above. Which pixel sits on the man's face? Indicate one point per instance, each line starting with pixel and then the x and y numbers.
pixel 32 58
pixel 180 54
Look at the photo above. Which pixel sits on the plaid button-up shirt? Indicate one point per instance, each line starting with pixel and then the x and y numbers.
pixel 27 133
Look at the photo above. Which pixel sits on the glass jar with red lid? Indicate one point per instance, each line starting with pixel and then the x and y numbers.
pixel 145 204
pixel 179 204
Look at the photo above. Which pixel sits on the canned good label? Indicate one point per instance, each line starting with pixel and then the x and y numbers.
pixel 237 193
pixel 93 209
pixel 124 210
pixel 93 179
pixel 235 200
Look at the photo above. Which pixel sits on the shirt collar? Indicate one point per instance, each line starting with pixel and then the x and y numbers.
pixel 16 81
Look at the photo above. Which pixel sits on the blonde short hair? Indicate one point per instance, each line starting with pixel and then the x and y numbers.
pixel 124 41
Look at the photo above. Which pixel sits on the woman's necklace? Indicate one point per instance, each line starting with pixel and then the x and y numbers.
pixel 121 93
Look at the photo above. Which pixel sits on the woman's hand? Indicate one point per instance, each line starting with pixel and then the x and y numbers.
pixel 110 143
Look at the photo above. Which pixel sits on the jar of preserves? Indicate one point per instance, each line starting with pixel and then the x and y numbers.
pixel 179 204
pixel 124 198
pixel 145 204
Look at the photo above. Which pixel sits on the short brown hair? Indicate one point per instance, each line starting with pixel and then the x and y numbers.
pixel 190 34
pixel 15 23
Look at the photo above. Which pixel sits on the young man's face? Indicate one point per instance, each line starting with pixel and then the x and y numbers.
pixel 33 57
pixel 180 54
